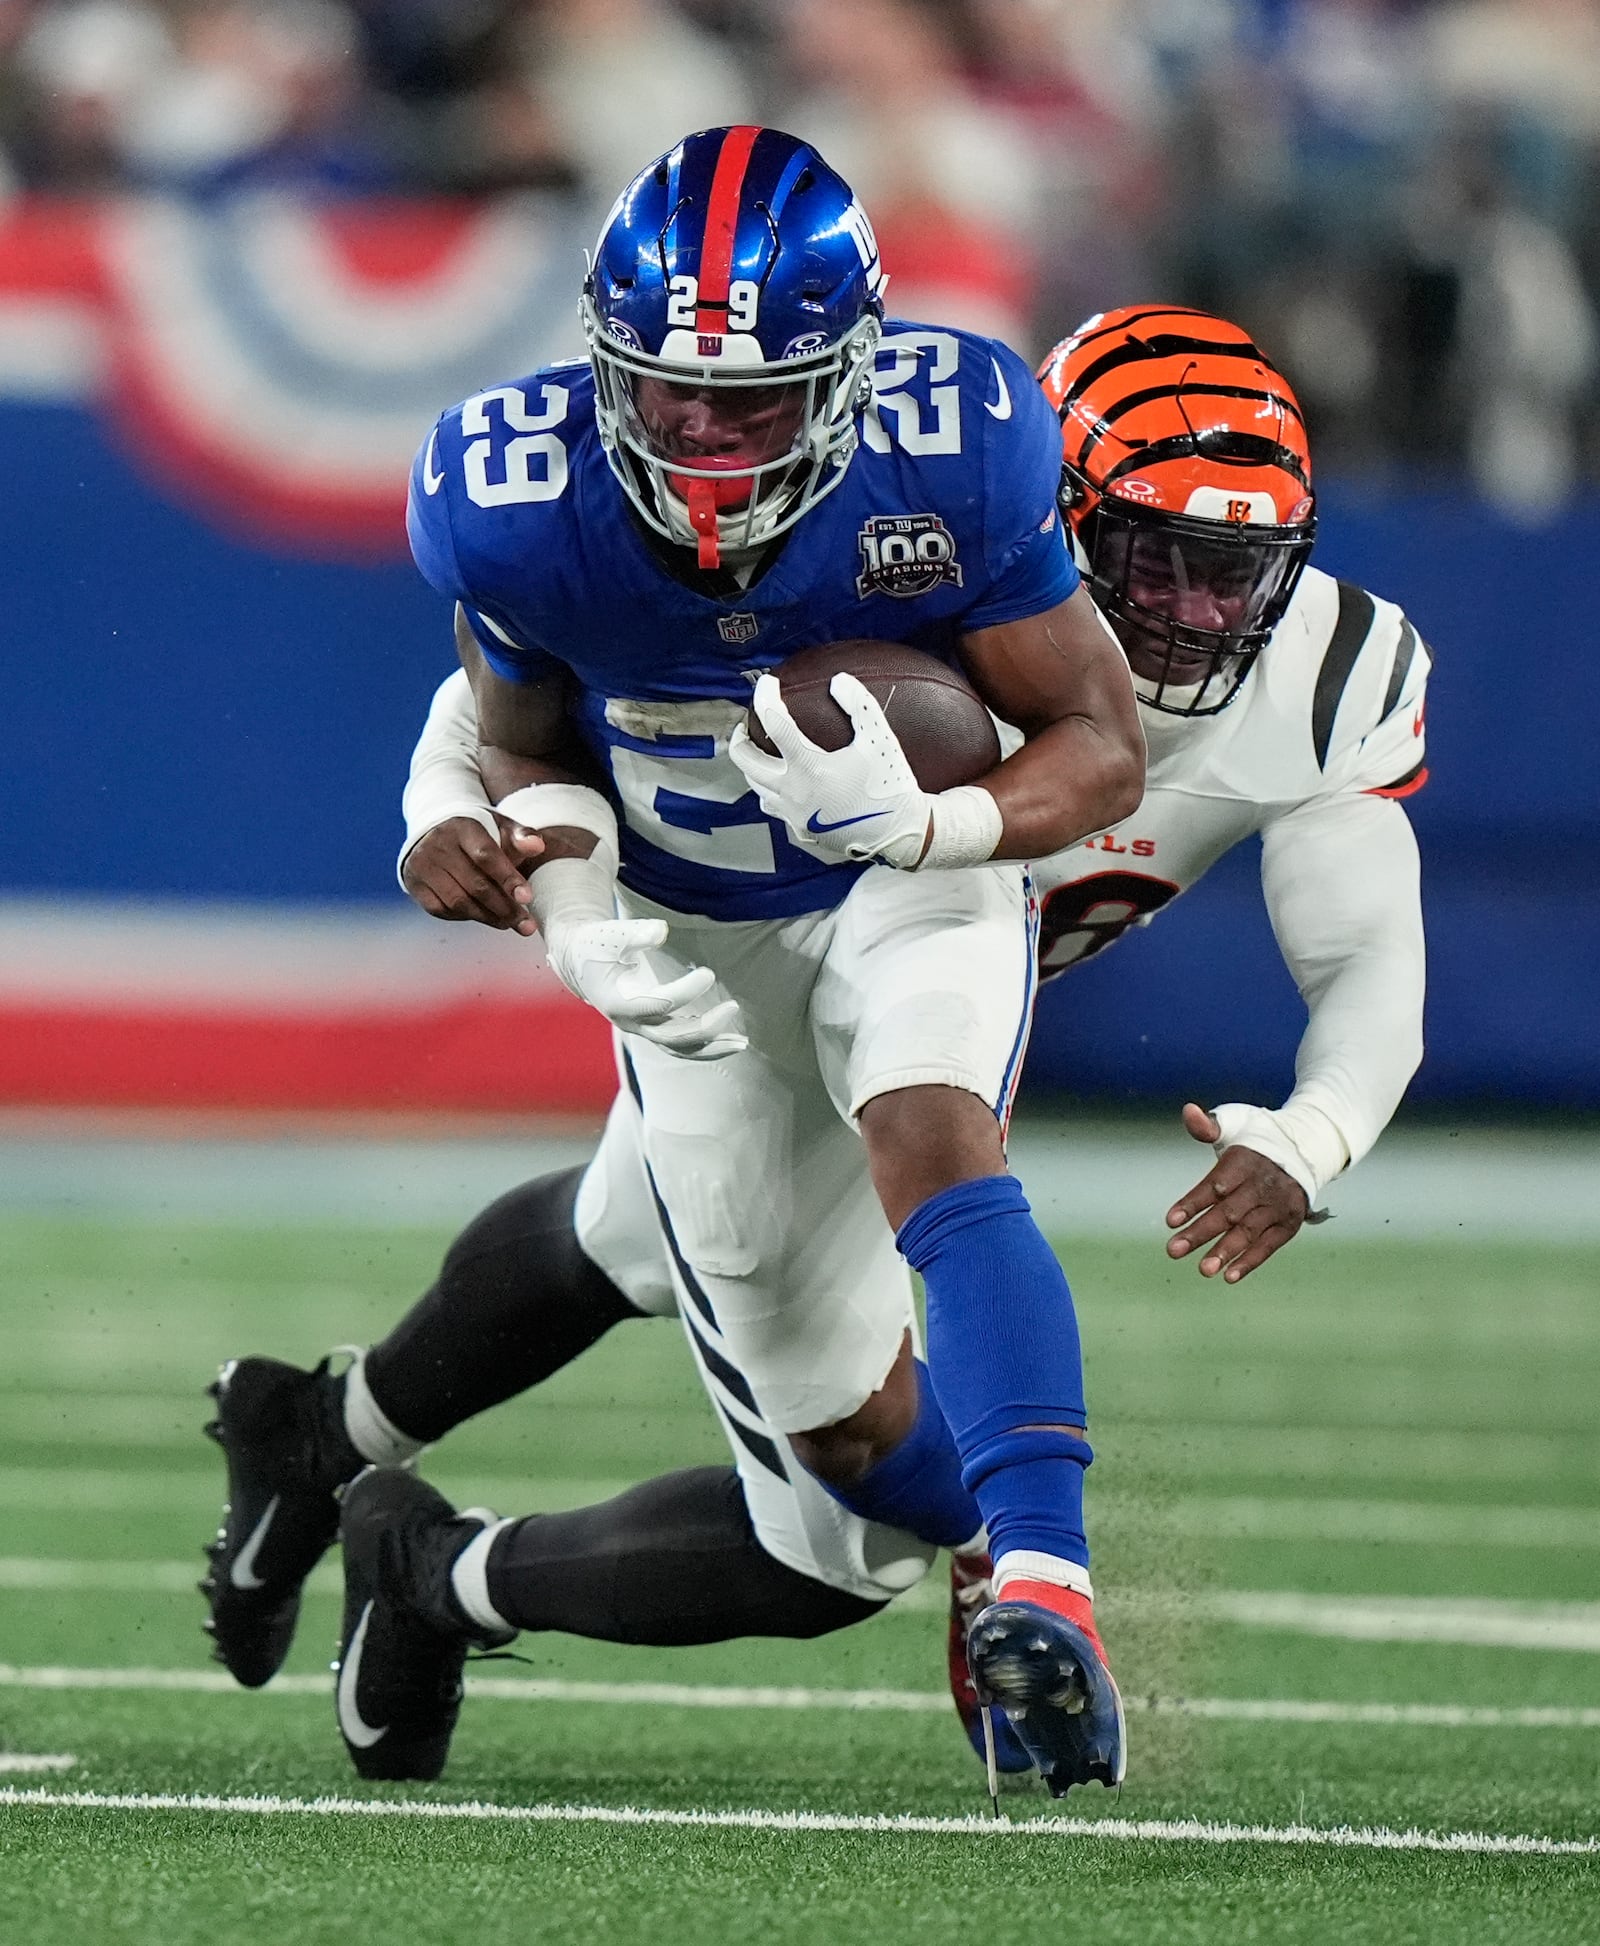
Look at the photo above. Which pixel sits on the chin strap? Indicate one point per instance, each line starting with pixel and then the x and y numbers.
pixel 701 497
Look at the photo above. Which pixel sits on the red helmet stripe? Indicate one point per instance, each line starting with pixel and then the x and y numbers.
pixel 722 221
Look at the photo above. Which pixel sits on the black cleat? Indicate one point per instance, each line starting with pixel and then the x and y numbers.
pixel 1051 1679
pixel 281 1431
pixel 404 1641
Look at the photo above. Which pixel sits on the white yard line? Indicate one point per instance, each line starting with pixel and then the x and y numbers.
pixel 913 1702
pixel 1267 1517
pixel 114 1490
pixel 18 1763
pixel 31 1574
pixel 1083 1178
pixel 1573 1627
pixel 1157 1830
pixel 1557 1626
pixel 1393 1522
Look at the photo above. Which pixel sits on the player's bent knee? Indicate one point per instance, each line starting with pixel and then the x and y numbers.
pixel 835 1454
pixel 812 1608
pixel 926 1139
pixel 842 1454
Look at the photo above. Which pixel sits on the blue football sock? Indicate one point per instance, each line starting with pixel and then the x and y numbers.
pixel 918 1487
pixel 1005 1362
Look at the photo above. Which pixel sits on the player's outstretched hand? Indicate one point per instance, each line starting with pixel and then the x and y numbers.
pixel 860 801
pixel 605 961
pixel 457 871
pixel 1244 1209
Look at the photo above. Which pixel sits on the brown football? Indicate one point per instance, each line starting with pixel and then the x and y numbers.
pixel 948 736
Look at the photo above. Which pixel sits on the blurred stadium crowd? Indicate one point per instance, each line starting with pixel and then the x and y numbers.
pixel 1397 196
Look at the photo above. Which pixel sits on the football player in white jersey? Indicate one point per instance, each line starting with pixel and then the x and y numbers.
pixel 1276 701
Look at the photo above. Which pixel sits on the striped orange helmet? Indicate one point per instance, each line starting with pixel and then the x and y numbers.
pixel 1186 481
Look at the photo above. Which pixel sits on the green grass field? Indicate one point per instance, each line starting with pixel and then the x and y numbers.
pixel 1392 1439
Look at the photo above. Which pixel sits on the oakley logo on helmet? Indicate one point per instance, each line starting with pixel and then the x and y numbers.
pixel 904 555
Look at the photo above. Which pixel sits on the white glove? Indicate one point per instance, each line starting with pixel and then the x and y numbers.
pixel 861 801
pixel 602 959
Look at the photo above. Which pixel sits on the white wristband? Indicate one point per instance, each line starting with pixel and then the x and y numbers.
pixel 1298 1137
pixel 445 781
pixel 573 891
pixel 540 806
pixel 967 825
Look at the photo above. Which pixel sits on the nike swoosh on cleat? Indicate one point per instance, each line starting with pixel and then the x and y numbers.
pixel 431 481
pixel 243 1571
pixel 355 1731
pixel 814 823
pixel 1001 409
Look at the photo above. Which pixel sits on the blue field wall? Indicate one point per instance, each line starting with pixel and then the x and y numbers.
pixel 192 715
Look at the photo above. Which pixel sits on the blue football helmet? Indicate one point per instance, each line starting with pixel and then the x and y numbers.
pixel 739 271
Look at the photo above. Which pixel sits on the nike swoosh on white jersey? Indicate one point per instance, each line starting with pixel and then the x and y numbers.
pixel 243 1571
pixel 431 481
pixel 361 1734
pixel 1001 409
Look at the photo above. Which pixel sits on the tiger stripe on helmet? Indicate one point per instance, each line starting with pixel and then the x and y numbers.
pixel 1175 400
pixel 1186 481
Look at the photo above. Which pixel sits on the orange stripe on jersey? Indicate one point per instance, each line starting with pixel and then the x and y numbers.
pixel 722 221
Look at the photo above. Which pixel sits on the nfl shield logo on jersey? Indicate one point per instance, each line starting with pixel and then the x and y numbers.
pixel 905 554
pixel 737 628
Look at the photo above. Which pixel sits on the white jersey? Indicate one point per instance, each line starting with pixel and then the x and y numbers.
pixel 1323 738
pixel 1333 708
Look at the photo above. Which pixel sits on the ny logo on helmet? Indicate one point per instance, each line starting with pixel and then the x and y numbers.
pixel 904 555
pixel 858 225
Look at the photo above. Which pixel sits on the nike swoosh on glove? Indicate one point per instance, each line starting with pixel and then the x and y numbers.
pixel 861 801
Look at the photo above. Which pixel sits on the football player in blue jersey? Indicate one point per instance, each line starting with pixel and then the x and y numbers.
pixel 821 974
pixel 1313 755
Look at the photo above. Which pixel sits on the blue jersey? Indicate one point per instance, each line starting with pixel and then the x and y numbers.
pixel 945 522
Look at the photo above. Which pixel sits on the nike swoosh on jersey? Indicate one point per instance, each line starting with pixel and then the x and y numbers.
pixel 431 481
pixel 813 824
pixel 243 1571
pixel 361 1734
pixel 1001 409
